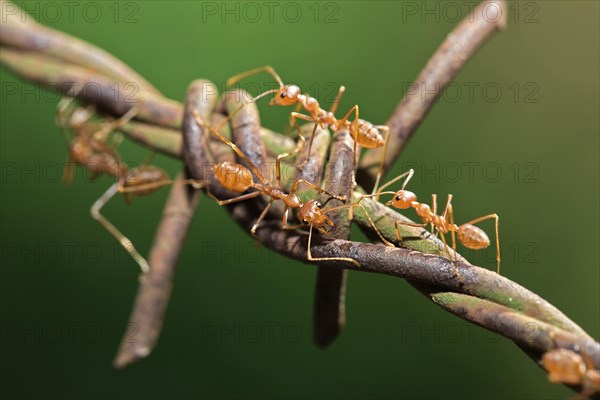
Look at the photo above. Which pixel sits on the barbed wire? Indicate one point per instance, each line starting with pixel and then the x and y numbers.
pixel 479 296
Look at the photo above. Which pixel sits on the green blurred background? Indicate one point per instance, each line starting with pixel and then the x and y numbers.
pixel 239 322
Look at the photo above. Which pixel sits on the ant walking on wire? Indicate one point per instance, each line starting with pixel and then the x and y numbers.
pixel 237 178
pixel 89 149
pixel 471 236
pixel 364 133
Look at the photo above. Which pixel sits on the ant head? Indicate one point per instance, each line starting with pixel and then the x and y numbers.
pixel 311 214
pixel 402 199
pixel 286 96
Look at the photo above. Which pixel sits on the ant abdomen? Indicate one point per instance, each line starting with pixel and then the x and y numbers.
pixel 145 175
pixel 473 237
pixel 368 136
pixel 233 176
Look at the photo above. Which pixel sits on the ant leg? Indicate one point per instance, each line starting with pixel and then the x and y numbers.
pixel 278 167
pixel 450 220
pixel 237 110
pixel 267 68
pixel 386 129
pixel 311 258
pixel 118 188
pixel 116 124
pixel 447 206
pixel 398 223
pixel 288 129
pixel 130 191
pixel 69 171
pixel 293 117
pixel 313 186
pixel 409 174
pixel 156 185
pixel 237 150
pixel 448 209
pixel 433 208
pixel 243 197
pixel 125 242
pixel 284 221
pixel 365 196
pixel 354 159
pixel 312 137
pixel 354 134
pixel 351 206
pixel 452 261
pixel 353 109
pixel 334 106
pixel 259 220
pixel 387 243
pixel 61 110
pixel 490 216
pixel 284 217
pixel 194 183
pixel 148 158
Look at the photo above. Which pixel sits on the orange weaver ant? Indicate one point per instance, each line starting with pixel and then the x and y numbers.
pixel 237 178
pixel 566 366
pixel 471 236
pixel 88 148
pixel 363 132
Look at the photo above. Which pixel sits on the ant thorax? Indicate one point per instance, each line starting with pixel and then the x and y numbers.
pixel 310 104
pixel 292 201
pixel 423 210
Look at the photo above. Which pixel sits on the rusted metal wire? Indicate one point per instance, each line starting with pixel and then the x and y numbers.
pixel 155 287
pixel 22 31
pixel 458 48
pixel 478 291
pixel 329 311
pixel 91 87
pixel 480 296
